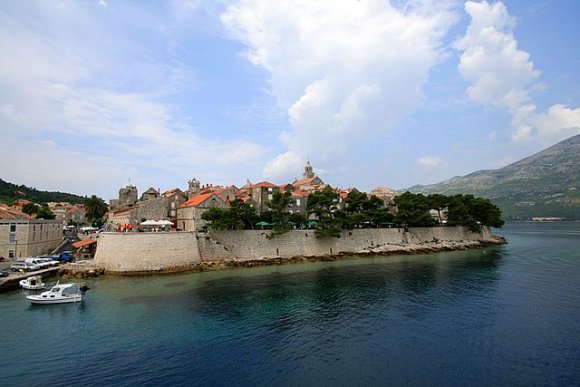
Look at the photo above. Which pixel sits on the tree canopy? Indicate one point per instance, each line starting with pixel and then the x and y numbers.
pixel 95 208
pixel 330 217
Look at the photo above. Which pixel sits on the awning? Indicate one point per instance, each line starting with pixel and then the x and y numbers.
pixel 86 242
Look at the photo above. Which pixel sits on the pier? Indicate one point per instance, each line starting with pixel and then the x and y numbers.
pixel 12 281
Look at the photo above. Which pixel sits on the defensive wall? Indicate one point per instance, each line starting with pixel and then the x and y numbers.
pixel 175 251
pixel 147 252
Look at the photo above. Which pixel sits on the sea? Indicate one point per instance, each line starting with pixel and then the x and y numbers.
pixel 498 316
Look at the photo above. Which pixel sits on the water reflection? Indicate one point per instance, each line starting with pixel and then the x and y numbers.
pixel 329 294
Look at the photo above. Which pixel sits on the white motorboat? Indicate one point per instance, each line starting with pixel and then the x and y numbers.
pixel 32 283
pixel 60 294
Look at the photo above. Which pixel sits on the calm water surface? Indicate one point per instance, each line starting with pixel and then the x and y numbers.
pixel 507 315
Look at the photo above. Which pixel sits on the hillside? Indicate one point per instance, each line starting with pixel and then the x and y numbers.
pixel 11 192
pixel 544 184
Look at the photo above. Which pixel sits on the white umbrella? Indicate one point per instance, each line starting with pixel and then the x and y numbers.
pixel 149 223
pixel 164 222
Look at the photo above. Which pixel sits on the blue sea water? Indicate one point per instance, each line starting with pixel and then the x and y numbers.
pixel 506 315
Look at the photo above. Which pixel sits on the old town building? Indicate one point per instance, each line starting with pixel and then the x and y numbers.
pixel 20 238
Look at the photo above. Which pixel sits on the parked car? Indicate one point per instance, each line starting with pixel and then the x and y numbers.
pixel 49 260
pixel 4 273
pixel 20 265
pixel 66 256
pixel 41 261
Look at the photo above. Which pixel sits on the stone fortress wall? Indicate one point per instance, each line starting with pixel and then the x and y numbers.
pixel 146 252
pixel 174 251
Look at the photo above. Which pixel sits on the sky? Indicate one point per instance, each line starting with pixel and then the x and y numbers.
pixel 99 94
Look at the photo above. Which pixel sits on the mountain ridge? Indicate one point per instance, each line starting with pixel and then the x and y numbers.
pixel 10 192
pixel 545 184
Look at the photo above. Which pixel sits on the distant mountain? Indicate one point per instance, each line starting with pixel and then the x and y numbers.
pixel 546 184
pixel 11 192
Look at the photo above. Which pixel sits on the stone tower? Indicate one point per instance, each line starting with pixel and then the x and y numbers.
pixel 194 187
pixel 127 196
pixel 308 171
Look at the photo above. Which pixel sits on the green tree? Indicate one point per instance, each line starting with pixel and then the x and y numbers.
pixel 238 216
pixel 413 210
pixel 30 208
pixel 279 207
pixel 324 204
pixel 245 213
pixel 44 213
pixel 95 208
pixel 438 202
pixel 222 219
pixel 472 212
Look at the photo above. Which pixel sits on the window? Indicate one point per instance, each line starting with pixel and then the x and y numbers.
pixel 12 228
pixel 12 238
pixel 270 197
pixel 269 189
pixel 297 202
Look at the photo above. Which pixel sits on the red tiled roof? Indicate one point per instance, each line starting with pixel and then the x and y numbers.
pixel 301 193
pixel 197 200
pixel 265 184
pixel 221 191
pixel 308 180
pixel 86 242
pixel 13 213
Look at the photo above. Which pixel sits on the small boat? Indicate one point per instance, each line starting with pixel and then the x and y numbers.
pixel 60 294
pixel 32 283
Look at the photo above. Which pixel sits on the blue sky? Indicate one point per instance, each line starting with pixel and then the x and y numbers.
pixel 95 95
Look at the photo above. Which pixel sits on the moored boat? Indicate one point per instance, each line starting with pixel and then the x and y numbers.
pixel 32 283
pixel 60 294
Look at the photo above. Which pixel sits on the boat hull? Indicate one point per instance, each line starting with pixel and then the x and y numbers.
pixel 26 286
pixel 46 301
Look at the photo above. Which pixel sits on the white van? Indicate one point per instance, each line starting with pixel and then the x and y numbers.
pixel 42 262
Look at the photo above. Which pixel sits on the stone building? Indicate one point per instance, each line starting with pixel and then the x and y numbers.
pixel 150 194
pixel 261 193
pixel 309 182
pixel 387 195
pixel 127 198
pixel 175 198
pixel 20 238
pixel 76 215
pixel 189 213
pixel 152 209
pixel 118 218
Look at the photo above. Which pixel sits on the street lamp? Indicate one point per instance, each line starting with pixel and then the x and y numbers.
pixel 16 249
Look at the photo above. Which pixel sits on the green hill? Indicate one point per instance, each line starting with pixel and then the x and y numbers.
pixel 544 184
pixel 9 193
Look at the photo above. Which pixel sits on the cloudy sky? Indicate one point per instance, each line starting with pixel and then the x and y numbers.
pixel 96 95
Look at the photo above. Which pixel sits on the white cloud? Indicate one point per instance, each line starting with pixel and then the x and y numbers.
pixel 104 90
pixel 503 76
pixel 429 161
pixel 559 122
pixel 284 165
pixel 345 71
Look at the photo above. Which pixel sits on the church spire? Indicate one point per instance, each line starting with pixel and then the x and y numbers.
pixel 308 171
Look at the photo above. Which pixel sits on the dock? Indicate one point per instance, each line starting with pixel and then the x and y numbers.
pixel 12 281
